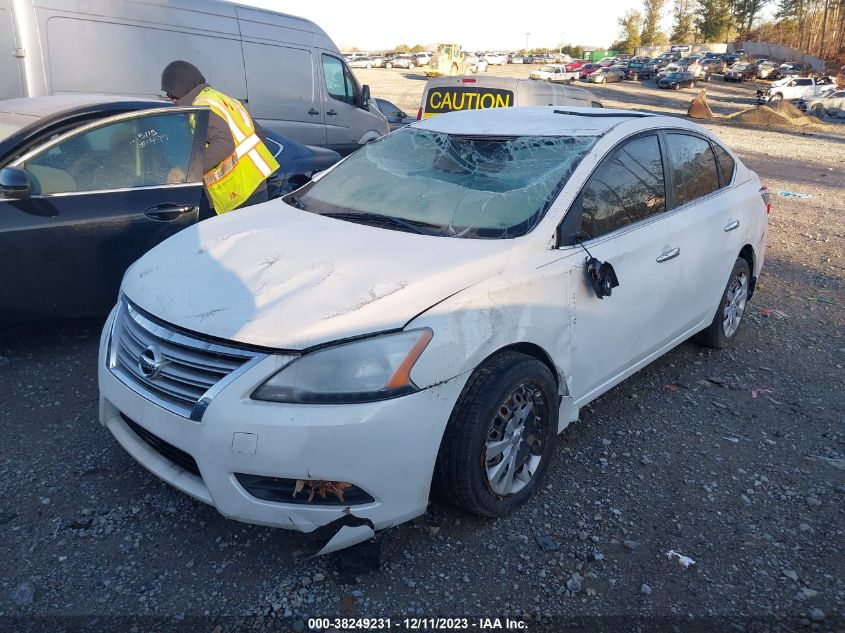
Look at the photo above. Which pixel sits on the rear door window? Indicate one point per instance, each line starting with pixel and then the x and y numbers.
pixel 694 172
pixel 627 188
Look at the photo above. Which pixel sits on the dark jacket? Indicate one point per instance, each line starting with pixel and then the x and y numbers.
pixel 184 81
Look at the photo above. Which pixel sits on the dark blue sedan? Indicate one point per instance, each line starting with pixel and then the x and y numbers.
pixel 90 183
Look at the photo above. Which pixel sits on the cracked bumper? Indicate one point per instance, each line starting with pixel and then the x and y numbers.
pixel 386 448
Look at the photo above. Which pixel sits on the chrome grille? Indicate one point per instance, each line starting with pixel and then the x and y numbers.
pixel 174 370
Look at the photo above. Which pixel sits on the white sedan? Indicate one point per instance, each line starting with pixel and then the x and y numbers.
pixel 433 310
pixel 831 103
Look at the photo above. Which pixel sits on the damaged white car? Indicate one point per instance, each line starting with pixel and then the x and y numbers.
pixel 435 309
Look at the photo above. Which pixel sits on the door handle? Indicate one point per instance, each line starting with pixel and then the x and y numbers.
pixel 313 112
pixel 331 113
pixel 168 211
pixel 665 257
pixel 733 225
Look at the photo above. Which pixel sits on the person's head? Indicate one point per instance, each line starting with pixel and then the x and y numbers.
pixel 178 78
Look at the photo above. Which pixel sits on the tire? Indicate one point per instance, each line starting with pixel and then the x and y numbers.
pixel 775 98
pixel 369 65
pixel 389 65
pixel 492 400
pixel 571 81
pixel 731 309
pixel 818 111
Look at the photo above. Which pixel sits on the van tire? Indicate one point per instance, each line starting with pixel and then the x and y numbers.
pixel 499 393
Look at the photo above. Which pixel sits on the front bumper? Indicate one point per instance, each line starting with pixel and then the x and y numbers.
pixel 385 448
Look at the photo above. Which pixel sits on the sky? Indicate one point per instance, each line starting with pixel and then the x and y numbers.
pixel 476 25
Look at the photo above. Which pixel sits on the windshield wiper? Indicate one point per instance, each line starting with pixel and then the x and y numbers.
pixel 386 219
pixel 294 202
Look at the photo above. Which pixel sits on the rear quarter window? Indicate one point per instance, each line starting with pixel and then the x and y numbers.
pixel 726 164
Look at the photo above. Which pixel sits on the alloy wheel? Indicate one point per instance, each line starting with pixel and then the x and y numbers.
pixel 735 300
pixel 515 441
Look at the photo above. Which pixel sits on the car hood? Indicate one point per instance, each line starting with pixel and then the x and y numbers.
pixel 277 277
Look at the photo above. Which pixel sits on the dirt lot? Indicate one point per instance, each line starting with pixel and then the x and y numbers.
pixel 734 458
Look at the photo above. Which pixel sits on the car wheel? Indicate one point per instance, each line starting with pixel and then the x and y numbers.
pixel 549 79
pixel 776 97
pixel 818 111
pixel 388 65
pixel 501 436
pixel 571 80
pixel 369 65
pixel 721 332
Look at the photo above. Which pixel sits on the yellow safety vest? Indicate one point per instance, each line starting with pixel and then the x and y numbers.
pixel 236 178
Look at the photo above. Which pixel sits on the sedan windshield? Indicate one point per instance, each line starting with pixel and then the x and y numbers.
pixel 479 187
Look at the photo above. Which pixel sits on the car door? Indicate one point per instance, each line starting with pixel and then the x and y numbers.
pixel 345 119
pixel 621 216
pixel 835 104
pixel 101 196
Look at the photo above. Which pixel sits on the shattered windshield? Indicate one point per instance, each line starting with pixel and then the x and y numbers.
pixel 479 187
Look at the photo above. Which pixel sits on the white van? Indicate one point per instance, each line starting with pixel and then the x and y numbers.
pixel 285 69
pixel 449 94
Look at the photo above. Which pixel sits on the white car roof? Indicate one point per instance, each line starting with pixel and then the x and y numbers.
pixel 537 121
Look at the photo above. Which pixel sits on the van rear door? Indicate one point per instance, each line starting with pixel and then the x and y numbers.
pixel 11 86
pixel 282 94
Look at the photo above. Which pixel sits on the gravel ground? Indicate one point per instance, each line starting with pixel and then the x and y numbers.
pixel 734 458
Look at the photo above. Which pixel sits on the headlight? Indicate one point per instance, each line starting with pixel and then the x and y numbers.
pixel 364 371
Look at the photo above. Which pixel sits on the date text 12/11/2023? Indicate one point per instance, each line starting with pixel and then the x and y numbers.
pixel 418 624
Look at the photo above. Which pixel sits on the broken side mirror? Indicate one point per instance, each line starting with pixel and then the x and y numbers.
pixel 15 183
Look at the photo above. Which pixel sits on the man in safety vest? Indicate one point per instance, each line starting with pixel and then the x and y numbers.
pixel 237 163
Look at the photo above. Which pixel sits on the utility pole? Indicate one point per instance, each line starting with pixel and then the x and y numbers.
pixel 527 38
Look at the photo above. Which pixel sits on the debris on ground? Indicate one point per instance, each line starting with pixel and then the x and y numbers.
pixel 756 392
pixel 686 561
pixel 793 194
pixel 698 108
pixel 547 543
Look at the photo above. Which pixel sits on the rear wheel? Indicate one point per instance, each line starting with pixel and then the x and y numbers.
pixel 818 111
pixel 722 330
pixel 388 65
pixel 501 436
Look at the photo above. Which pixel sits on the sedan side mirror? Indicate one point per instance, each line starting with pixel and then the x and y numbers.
pixel 15 183
pixel 365 97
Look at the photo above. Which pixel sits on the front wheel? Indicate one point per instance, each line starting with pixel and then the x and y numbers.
pixel 388 65
pixel 776 97
pixel 722 330
pixel 818 111
pixel 500 438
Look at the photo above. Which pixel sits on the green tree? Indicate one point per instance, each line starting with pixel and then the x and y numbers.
pixel 401 48
pixel 712 19
pixel 631 24
pixel 652 10
pixel 417 48
pixel 745 12
pixel 683 27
